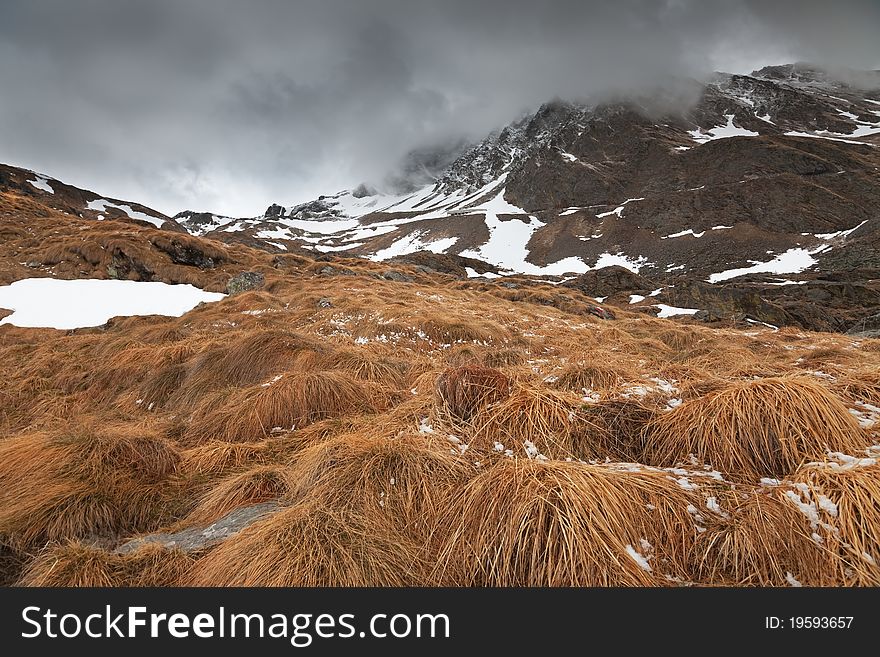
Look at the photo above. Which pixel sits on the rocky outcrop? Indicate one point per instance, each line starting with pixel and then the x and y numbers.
pixel 244 282
pixel 607 281
pixel 194 539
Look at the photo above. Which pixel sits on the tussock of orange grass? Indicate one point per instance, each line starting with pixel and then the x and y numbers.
pixel 695 388
pixel 553 420
pixel 623 422
pixel 464 391
pixel 847 495
pixel 400 480
pixel 79 565
pixel 307 545
pixel 387 371
pixel 825 355
pixel 680 338
pixel 731 362
pixel 12 561
pixel 293 401
pixel 134 452
pixel 765 540
pixel 464 355
pixel 251 358
pixel 215 458
pixel 527 523
pixel 754 429
pixel 447 329
pixel 83 483
pixel 580 377
pixel 505 357
pixel 260 484
pixel 861 385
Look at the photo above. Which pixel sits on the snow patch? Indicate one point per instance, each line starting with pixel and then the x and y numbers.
pixel 62 304
pixel 102 204
pixel 42 184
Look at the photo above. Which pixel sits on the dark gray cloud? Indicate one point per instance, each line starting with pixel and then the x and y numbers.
pixel 209 104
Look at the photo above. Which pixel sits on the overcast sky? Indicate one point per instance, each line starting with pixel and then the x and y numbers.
pixel 229 106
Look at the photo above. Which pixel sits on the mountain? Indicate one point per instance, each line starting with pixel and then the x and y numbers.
pixel 182 410
pixel 43 189
pixel 748 196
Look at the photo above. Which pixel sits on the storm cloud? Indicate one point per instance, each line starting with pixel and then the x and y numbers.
pixel 229 106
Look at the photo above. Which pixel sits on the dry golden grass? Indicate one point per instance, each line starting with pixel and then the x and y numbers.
pixel 765 541
pixel 464 391
pixel 402 481
pixel 553 421
pixel 85 482
pixel 307 545
pixel 260 484
pixel 597 376
pixel 753 429
pixel 215 458
pixel 292 401
pixel 848 498
pixel 81 565
pixel 153 423
pixel 526 523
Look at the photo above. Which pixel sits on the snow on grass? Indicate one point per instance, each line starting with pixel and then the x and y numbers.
pixel 42 184
pixel 102 204
pixel 764 117
pixel 473 273
pixel 867 415
pixel 793 261
pixel 721 132
pixel 61 304
pixel 689 231
pixel 568 156
pixel 671 311
pixel 569 211
pixel 635 298
pixel 792 581
pixel 638 557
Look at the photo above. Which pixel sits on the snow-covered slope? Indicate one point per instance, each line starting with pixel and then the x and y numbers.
pixel 745 181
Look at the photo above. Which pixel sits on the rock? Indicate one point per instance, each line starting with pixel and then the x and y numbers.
pixel 244 282
pixel 510 286
pixel 400 277
pixel 866 327
pixel 274 211
pixel 199 538
pixel 362 191
pixel 728 301
pixel 607 281
pixel 33 264
pixel 332 271
pixel 601 313
pixel 184 250
pixel 708 316
pixel 325 302
pixel 443 263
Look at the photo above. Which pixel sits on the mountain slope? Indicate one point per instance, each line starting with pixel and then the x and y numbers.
pixel 771 175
